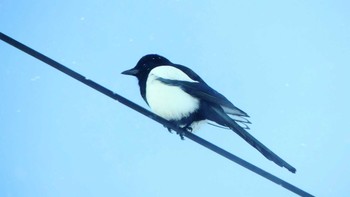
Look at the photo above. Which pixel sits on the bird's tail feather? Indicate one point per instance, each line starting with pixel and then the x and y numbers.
pixel 225 120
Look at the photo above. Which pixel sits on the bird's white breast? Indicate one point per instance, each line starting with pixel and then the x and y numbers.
pixel 169 102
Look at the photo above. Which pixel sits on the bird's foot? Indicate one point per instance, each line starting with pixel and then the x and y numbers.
pixel 181 134
pixel 189 129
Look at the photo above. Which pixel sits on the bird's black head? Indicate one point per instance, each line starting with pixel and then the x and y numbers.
pixel 146 64
pixel 144 67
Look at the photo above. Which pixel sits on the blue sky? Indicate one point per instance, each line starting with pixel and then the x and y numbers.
pixel 286 63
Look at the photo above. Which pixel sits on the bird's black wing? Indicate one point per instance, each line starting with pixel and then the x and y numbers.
pixel 203 91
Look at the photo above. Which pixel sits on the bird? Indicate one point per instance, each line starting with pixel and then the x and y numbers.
pixel 179 95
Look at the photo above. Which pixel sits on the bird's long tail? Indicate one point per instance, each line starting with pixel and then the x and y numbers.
pixel 222 118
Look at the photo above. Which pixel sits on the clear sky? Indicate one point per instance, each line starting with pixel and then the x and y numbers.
pixel 286 63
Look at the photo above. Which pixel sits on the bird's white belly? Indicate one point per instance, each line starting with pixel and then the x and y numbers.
pixel 169 102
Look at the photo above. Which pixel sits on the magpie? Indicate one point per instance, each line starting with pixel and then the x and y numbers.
pixel 177 94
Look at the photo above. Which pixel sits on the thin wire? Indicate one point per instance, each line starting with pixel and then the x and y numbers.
pixel 151 115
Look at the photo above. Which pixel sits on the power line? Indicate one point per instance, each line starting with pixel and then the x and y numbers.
pixel 151 115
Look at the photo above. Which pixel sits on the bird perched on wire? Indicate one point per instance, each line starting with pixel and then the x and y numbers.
pixel 177 94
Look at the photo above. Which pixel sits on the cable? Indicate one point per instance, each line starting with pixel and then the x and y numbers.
pixel 151 115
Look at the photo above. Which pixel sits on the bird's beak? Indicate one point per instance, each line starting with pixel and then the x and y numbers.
pixel 132 72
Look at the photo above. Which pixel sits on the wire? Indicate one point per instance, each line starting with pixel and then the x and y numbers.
pixel 151 115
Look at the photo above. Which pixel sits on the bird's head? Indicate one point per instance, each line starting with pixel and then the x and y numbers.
pixel 146 64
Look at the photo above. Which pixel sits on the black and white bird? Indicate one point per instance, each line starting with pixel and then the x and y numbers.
pixel 177 94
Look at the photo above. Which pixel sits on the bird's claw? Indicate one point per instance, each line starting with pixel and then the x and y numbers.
pixel 189 129
pixel 181 134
